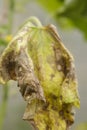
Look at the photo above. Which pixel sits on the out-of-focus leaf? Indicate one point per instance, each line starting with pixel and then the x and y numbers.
pixel 82 126
pixel 3 42
pixel 45 72
pixel 51 5
pixel 76 12
pixel 68 13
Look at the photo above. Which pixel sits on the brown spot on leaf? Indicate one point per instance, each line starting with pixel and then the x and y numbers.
pixel 60 60
pixel 8 65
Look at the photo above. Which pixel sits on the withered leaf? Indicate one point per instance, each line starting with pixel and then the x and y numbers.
pixel 44 69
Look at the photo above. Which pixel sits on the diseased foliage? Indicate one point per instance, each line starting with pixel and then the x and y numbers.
pixel 45 72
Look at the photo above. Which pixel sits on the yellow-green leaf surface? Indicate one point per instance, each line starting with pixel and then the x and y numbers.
pixel 45 72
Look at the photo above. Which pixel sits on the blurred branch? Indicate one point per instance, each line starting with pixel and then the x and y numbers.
pixel 6 20
pixel 3 106
pixel 10 15
pixel 3 17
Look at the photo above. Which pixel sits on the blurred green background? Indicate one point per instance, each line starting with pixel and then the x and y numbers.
pixel 70 18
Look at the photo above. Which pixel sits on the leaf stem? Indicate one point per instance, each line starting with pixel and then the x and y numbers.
pixel 35 21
